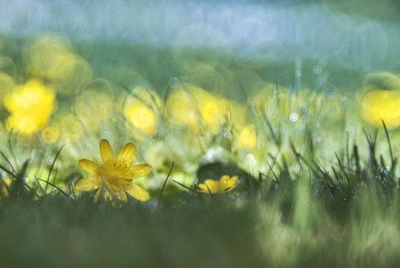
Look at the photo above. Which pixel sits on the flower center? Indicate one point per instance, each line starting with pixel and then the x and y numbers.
pixel 113 178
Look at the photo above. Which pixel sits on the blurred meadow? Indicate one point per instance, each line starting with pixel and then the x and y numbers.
pixel 202 133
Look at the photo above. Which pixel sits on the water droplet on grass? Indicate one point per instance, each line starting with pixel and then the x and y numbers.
pixel 294 117
pixel 317 69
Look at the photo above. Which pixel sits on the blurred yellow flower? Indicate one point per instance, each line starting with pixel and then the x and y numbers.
pixel 4 186
pixel 142 112
pixel 142 118
pixel 196 108
pixel 114 177
pixel 181 109
pixel 223 186
pixel 247 138
pixel 31 106
pixel 378 105
pixel 212 110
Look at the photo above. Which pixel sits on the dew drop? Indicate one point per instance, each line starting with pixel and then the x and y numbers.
pixel 294 117
pixel 317 69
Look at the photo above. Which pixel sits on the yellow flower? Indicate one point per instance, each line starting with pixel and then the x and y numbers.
pixel 247 138
pixel 212 110
pixel 4 186
pixel 114 177
pixel 181 109
pixel 223 186
pixel 142 112
pixel 192 106
pixel 31 106
pixel 378 105
pixel 143 118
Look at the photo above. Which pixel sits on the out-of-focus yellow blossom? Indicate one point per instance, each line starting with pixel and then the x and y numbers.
pixel 4 186
pixel 142 112
pixel 50 57
pixel 378 105
pixel 196 108
pixel 246 138
pixel 212 110
pixel 93 108
pixel 31 106
pixel 223 186
pixel 142 118
pixel 50 134
pixel 114 177
pixel 181 109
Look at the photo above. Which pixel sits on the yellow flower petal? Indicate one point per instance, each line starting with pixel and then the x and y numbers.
pixel 106 152
pixel 7 181
pixel 210 187
pixel 231 181
pixel 138 171
pixel 225 179
pixel 138 192
pixel 230 184
pixel 224 185
pixel 5 186
pixel 235 180
pixel 88 184
pixel 89 166
pixel 204 189
pixel 126 155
